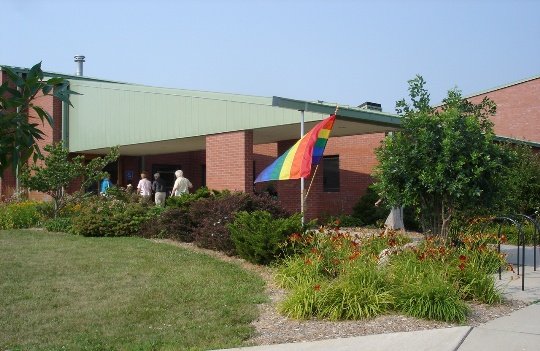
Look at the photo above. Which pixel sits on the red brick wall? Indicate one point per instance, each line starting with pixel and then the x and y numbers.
pixel 356 162
pixel 263 156
pixel 518 110
pixel 229 161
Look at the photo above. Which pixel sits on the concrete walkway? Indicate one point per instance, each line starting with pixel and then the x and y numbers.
pixel 518 331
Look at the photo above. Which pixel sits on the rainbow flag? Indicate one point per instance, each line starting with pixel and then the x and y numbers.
pixel 296 162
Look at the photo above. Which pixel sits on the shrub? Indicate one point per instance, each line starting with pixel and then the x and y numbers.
pixel 173 224
pixel 366 211
pixel 101 216
pixel 512 233
pixel 342 221
pixel 122 194
pixel 184 201
pixel 16 215
pixel 259 238
pixel 59 224
pixel 212 215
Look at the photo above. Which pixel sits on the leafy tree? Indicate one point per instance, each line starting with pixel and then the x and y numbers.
pixel 57 171
pixel 444 159
pixel 521 180
pixel 18 134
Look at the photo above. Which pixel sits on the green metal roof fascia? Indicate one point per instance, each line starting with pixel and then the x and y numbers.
pixel 252 99
pixel 517 141
pixel 61 75
pixel 226 97
pixel 344 112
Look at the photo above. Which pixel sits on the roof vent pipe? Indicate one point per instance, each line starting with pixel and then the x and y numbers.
pixel 79 59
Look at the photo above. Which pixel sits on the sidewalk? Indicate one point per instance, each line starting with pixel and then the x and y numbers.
pixel 518 331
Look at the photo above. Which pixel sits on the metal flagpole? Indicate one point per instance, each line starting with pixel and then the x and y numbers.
pixel 313 176
pixel 302 179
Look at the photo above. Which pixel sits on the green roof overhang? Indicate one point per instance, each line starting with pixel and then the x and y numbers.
pixel 352 114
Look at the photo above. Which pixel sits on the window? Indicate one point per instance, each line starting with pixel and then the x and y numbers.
pixel 166 172
pixel 331 174
pixel 203 175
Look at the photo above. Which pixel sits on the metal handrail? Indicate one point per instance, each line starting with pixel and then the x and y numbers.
pixel 535 233
pixel 522 241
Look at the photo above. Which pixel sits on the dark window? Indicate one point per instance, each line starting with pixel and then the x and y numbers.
pixel 203 175
pixel 331 174
pixel 166 172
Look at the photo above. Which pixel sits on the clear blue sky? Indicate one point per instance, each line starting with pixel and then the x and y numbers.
pixel 345 52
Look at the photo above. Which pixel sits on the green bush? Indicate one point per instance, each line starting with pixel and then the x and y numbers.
pixel 211 216
pixel 103 216
pixel 122 194
pixel 16 215
pixel 59 224
pixel 176 222
pixel 512 233
pixel 184 201
pixel 342 221
pixel 366 211
pixel 259 238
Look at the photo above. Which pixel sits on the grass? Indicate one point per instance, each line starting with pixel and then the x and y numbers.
pixel 65 292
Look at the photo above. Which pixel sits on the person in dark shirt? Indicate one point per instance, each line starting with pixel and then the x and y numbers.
pixel 158 187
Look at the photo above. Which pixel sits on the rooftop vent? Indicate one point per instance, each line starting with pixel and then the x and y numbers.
pixel 371 106
pixel 79 59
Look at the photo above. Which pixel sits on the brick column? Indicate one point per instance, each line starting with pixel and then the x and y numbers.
pixel 289 190
pixel 229 161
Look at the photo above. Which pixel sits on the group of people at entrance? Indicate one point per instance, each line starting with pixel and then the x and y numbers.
pixel 158 187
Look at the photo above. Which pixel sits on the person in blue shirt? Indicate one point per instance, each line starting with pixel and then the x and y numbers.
pixel 106 184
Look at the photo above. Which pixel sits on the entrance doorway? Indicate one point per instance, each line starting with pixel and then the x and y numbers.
pixel 166 172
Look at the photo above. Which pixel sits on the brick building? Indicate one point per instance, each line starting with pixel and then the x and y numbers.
pixel 223 141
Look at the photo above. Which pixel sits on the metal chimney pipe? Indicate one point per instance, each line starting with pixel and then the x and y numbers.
pixel 79 59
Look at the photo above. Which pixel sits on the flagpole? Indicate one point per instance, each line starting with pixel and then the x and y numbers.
pixel 302 179
pixel 313 176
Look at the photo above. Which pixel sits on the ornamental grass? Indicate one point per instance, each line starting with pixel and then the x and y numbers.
pixel 339 275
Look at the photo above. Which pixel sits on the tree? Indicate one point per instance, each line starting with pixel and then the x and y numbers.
pixel 521 181
pixel 57 171
pixel 18 134
pixel 444 160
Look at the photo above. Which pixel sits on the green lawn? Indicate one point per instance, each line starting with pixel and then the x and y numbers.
pixel 65 292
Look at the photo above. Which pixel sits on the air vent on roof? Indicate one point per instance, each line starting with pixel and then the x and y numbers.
pixel 79 59
pixel 371 106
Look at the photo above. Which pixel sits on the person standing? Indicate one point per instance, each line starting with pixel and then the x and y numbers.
pixel 106 184
pixel 144 188
pixel 181 184
pixel 158 187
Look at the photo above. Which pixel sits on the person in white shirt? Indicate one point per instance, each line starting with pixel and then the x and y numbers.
pixel 181 184
pixel 144 188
